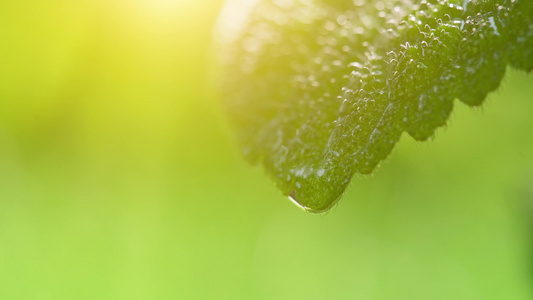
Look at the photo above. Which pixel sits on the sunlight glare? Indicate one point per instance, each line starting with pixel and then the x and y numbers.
pixel 168 7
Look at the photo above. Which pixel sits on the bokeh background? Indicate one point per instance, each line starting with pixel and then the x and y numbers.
pixel 119 178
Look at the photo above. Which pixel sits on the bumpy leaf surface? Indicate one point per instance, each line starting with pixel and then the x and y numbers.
pixel 319 90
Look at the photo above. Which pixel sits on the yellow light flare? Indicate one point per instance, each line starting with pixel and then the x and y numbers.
pixel 169 8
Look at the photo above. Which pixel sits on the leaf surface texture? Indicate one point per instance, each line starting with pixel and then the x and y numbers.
pixel 320 90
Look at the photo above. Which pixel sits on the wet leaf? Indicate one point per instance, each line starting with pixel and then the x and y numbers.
pixel 319 90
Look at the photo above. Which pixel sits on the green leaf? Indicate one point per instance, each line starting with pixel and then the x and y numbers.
pixel 319 90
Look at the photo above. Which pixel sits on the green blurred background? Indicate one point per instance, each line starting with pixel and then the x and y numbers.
pixel 119 178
